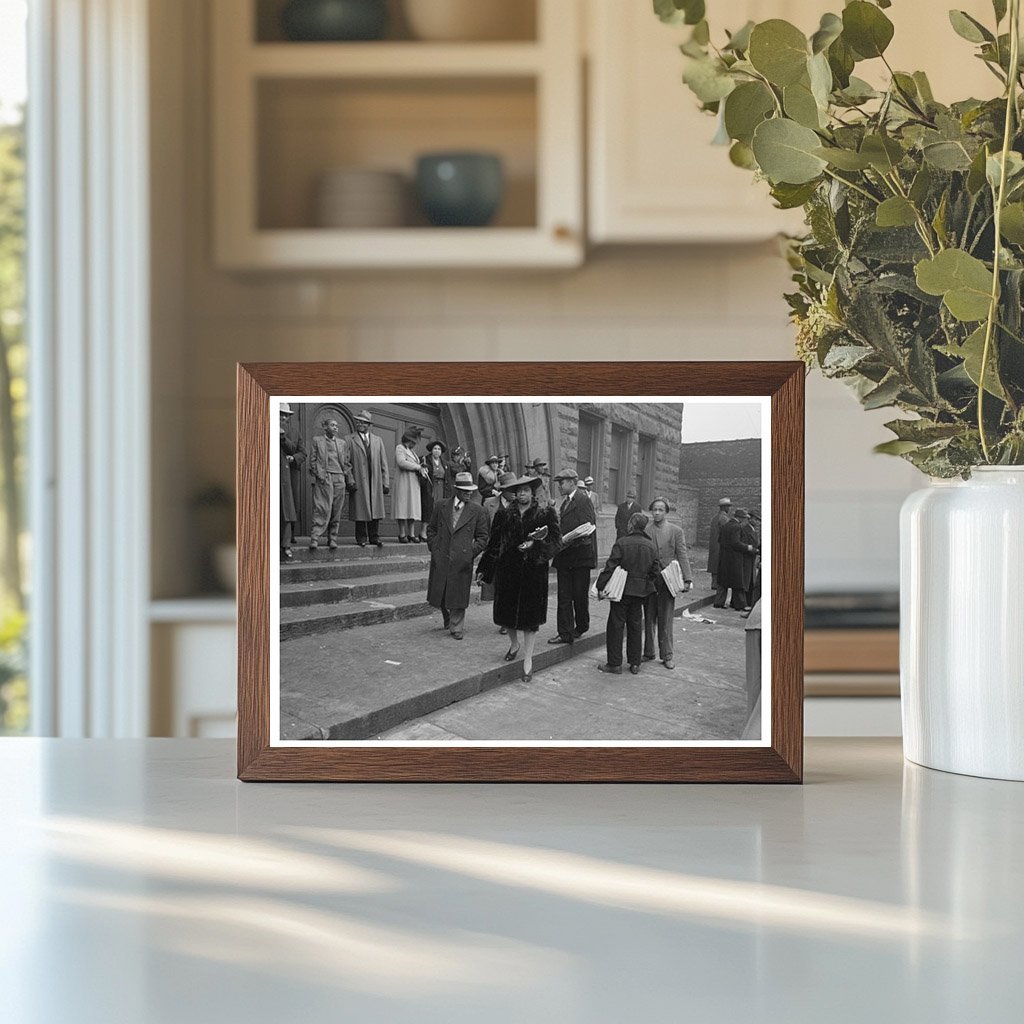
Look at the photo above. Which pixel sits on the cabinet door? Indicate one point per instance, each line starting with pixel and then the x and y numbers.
pixel 653 174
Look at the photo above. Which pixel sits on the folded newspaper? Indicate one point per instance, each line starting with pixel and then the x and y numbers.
pixel 673 577
pixel 584 530
pixel 616 585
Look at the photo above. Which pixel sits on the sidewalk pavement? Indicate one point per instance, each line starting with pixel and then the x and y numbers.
pixel 360 683
pixel 704 697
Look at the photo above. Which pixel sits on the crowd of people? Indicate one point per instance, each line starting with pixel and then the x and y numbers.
pixel 512 524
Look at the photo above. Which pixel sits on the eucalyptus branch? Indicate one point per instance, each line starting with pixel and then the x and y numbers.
pixel 853 185
pixel 993 308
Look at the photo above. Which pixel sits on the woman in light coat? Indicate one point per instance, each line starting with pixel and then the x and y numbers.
pixel 406 505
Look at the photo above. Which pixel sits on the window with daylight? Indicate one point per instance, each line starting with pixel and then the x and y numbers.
pixel 587 456
pixel 14 705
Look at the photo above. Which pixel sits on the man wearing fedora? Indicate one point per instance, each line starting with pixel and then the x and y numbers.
pixel 588 488
pixel 575 560
pixel 722 516
pixel 736 562
pixel 370 471
pixel 330 465
pixel 457 533
pixel 624 513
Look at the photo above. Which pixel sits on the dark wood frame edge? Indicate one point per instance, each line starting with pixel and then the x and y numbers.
pixel 781 762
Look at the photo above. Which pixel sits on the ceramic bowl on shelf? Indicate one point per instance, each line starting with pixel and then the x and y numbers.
pixel 470 20
pixel 361 198
pixel 334 21
pixel 460 189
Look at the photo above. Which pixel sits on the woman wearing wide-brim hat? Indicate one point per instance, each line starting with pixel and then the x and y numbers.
pixel 524 537
pixel 438 483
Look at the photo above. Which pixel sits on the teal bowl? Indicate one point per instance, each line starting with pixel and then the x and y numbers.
pixel 334 21
pixel 460 190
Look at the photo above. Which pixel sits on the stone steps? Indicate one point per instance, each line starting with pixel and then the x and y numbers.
pixel 294 595
pixel 349 550
pixel 308 620
pixel 348 568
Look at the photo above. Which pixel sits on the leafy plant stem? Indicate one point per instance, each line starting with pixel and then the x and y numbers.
pixel 922 225
pixel 993 309
pixel 854 186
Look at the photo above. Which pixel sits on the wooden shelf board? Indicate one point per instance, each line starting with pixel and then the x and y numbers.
pixel 402 247
pixel 393 60
pixel 852 650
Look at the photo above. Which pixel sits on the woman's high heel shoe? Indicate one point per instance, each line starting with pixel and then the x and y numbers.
pixel 511 655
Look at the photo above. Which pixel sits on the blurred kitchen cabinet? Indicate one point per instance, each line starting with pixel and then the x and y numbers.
pixel 286 114
pixel 653 175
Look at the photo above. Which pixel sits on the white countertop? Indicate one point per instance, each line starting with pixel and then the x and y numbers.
pixel 142 884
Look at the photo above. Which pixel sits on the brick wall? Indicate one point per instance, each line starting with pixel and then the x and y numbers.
pixel 721 469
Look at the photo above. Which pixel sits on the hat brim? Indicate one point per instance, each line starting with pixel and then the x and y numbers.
pixel 523 481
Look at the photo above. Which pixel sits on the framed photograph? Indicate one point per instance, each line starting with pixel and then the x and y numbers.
pixel 550 572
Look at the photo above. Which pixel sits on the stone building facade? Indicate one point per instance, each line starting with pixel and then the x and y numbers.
pixel 622 445
pixel 712 470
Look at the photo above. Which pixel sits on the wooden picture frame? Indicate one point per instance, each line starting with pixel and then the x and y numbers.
pixel 778 758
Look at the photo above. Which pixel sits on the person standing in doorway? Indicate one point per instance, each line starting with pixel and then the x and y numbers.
pixel 721 517
pixel 574 561
pixel 330 465
pixel 624 513
pixel 660 607
pixel 406 505
pixel 635 553
pixel 456 534
pixel 290 448
pixel 373 481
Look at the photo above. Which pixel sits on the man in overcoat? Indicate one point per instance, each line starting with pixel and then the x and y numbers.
pixel 330 465
pixel 736 561
pixel 457 533
pixel 292 455
pixel 722 516
pixel 623 513
pixel 574 561
pixel 370 471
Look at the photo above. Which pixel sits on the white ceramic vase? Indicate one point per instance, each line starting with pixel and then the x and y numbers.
pixel 962 624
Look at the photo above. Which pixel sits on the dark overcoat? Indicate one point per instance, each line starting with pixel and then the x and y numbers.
pixel 735 561
pixel 289 446
pixel 452 552
pixel 622 514
pixel 715 539
pixel 370 470
pixel 580 553
pixel 520 578
pixel 636 554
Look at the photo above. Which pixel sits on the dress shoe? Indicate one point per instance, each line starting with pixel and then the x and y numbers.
pixel 669 663
pixel 503 631
pixel 512 655
pixel 313 545
pixel 286 554
pixel 560 640
pixel 361 543
pixel 333 546
pixel 615 670
pixel 577 633
pixel 378 543
pixel 648 657
pixel 527 676
pixel 635 669
pixel 403 540
pixel 456 636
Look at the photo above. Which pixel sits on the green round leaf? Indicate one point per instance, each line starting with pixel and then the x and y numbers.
pixel 968 28
pixel 708 81
pixel 746 107
pixel 785 152
pixel 882 152
pixel 829 30
pixel 963 281
pixel 866 29
pixel 1011 226
pixel 743 156
pixel 895 212
pixel 801 106
pixel 779 51
pixel 844 159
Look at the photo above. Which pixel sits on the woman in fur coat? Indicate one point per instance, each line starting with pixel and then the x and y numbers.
pixel 524 537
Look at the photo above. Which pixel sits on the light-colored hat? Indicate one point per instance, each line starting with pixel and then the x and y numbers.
pixel 588 481
pixel 364 415
pixel 465 482
pixel 286 409
pixel 724 501
pixel 567 474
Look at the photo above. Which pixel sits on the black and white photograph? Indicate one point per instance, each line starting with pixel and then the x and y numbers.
pixel 520 572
